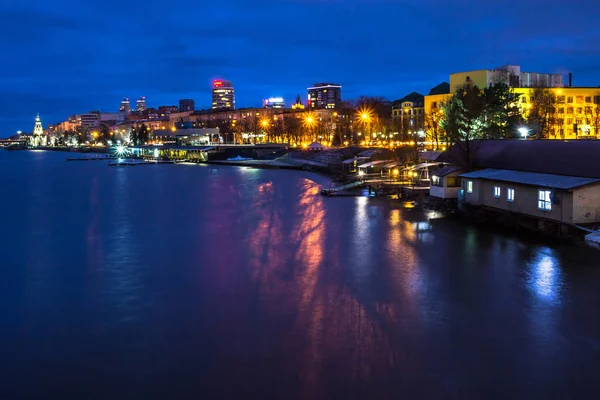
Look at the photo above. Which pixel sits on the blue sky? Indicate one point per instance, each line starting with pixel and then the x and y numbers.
pixel 63 57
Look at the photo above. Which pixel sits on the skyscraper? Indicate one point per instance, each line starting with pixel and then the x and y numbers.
pixel 125 106
pixel 186 105
pixel 324 95
pixel 140 105
pixel 223 95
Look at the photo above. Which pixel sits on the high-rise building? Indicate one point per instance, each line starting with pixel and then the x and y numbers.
pixel 223 95
pixel 187 105
pixel 125 106
pixel 274 102
pixel 140 105
pixel 324 95
pixel 90 120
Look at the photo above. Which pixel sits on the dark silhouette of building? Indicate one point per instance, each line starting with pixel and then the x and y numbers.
pixel 324 95
pixel 186 105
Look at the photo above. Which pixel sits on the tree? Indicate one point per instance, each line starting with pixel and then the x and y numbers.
pixel 465 120
pixel 104 135
pixel 135 136
pixel 542 115
pixel 502 114
pixel 433 130
pixel 293 129
pixel 594 115
pixel 143 134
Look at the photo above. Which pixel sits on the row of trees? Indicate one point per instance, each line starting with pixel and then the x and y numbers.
pixel 137 135
pixel 494 113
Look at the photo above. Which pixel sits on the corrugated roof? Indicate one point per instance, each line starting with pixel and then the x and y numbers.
pixel 422 165
pixel 531 178
pixel 351 160
pixel 572 158
pixel 372 163
pixel 446 171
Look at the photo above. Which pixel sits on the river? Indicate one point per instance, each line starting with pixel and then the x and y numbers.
pixel 177 281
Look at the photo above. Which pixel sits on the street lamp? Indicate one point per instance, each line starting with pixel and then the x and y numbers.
pixel 524 132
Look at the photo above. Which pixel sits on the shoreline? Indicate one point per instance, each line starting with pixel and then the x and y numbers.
pixel 562 233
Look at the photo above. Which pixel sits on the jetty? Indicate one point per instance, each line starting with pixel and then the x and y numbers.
pixel 92 158
pixel 133 163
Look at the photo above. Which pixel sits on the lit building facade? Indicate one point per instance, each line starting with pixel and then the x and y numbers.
pixel 274 102
pixel 90 120
pixel 576 114
pixel 125 106
pixel 140 105
pixel 324 96
pixel 408 114
pixel 223 95
pixel 511 75
pixel 186 105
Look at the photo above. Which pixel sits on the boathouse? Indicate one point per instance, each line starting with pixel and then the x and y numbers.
pixel 561 198
pixel 446 182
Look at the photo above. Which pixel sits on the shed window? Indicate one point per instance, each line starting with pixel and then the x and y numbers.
pixel 497 192
pixel 510 194
pixel 544 202
pixel 452 181
pixel 470 187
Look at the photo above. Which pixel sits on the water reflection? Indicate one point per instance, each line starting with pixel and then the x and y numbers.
pixel 361 242
pixel 545 276
pixel 121 277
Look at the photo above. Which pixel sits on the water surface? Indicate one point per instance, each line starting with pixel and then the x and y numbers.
pixel 176 281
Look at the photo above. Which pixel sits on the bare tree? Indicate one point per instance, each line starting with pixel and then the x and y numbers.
pixel 595 114
pixel 433 130
pixel 542 114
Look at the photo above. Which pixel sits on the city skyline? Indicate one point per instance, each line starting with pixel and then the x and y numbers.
pixel 71 59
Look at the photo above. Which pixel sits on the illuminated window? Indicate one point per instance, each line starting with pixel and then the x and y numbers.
pixel 544 202
pixel 570 99
pixel 497 192
pixel 579 99
pixel 579 110
pixel 560 99
pixel 561 110
pixel 569 110
pixel 469 186
pixel 588 99
pixel 510 195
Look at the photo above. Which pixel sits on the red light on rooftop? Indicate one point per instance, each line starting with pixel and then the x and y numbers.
pixel 218 83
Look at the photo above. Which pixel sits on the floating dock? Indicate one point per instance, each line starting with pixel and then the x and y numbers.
pixel 96 158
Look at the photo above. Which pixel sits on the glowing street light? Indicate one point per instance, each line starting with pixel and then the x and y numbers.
pixel 524 132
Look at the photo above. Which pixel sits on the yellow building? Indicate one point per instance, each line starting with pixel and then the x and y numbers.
pixel 577 111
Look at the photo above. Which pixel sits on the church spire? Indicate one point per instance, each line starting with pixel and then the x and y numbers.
pixel 38 130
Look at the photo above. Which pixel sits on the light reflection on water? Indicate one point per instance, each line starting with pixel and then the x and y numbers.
pixel 175 279
pixel 545 277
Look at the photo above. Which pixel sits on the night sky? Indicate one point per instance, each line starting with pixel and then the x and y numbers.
pixel 64 57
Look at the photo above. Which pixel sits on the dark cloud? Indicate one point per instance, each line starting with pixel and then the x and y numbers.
pixel 65 56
